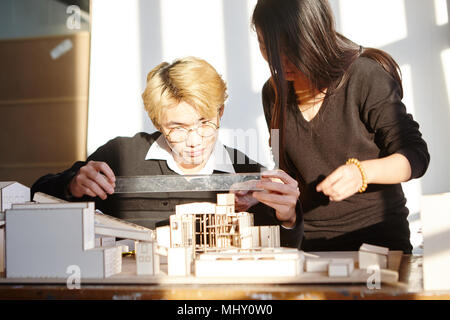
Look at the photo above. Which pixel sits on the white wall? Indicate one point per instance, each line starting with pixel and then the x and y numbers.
pixel 131 37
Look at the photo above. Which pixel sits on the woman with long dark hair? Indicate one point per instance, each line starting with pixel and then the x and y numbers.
pixel 344 133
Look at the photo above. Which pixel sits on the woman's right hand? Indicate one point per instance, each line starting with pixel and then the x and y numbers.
pixel 94 179
pixel 281 192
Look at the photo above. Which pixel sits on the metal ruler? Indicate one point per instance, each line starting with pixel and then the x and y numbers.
pixel 186 183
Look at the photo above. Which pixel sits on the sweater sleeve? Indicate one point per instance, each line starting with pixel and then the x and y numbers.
pixel 384 114
pixel 56 184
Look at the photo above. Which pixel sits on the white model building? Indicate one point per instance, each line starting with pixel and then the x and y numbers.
pixel 335 267
pixel 341 267
pixel 263 262
pixel 12 192
pixel 371 255
pixel 201 228
pixel 147 262
pixel 44 240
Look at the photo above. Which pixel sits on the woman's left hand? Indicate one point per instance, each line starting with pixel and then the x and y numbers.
pixel 281 193
pixel 342 183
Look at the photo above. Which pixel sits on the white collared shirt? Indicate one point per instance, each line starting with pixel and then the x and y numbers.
pixel 219 159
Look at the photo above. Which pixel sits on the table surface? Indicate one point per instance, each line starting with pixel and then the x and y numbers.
pixel 409 286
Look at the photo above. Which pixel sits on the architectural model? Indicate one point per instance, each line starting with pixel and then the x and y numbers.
pixel 204 240
pixel 211 239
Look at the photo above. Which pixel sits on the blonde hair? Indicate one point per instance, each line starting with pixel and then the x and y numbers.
pixel 188 79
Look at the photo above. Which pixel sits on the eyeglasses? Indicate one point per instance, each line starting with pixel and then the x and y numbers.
pixel 204 129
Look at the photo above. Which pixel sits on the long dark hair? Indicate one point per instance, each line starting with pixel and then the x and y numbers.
pixel 304 31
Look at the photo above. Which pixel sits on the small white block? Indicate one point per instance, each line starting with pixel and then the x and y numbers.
pixel 108 241
pixel 375 249
pixel 338 270
pixel 225 209
pixel 112 260
pixel 270 236
pixel 144 258
pixel 179 261
pixel 246 238
pixel 255 236
pixel 128 243
pixel 368 259
pixel 163 236
pixel 317 264
pixel 195 208
pixel 334 269
pixel 225 199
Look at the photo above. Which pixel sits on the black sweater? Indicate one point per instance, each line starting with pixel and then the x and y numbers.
pixel 126 157
pixel 363 119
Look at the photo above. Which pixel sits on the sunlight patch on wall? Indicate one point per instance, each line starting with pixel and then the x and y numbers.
pixel 115 79
pixel 441 12
pixel 194 28
pixel 445 58
pixel 259 68
pixel 373 23
pixel 408 93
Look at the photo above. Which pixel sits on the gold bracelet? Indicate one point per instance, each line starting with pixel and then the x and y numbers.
pixel 363 174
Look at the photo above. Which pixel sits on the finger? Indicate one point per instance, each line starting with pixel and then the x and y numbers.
pixel 80 190
pixel 280 210
pixel 104 168
pixel 96 189
pixel 329 181
pixel 89 192
pixel 98 178
pixel 101 181
pixel 240 193
pixel 275 198
pixel 342 186
pixel 280 174
pixel 278 187
pixel 342 192
pixel 275 206
pixel 105 184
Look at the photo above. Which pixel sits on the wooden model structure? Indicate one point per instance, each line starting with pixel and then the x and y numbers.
pixel 203 233
pixel 208 226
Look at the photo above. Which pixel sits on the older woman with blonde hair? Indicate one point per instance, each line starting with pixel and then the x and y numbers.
pixel 185 101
